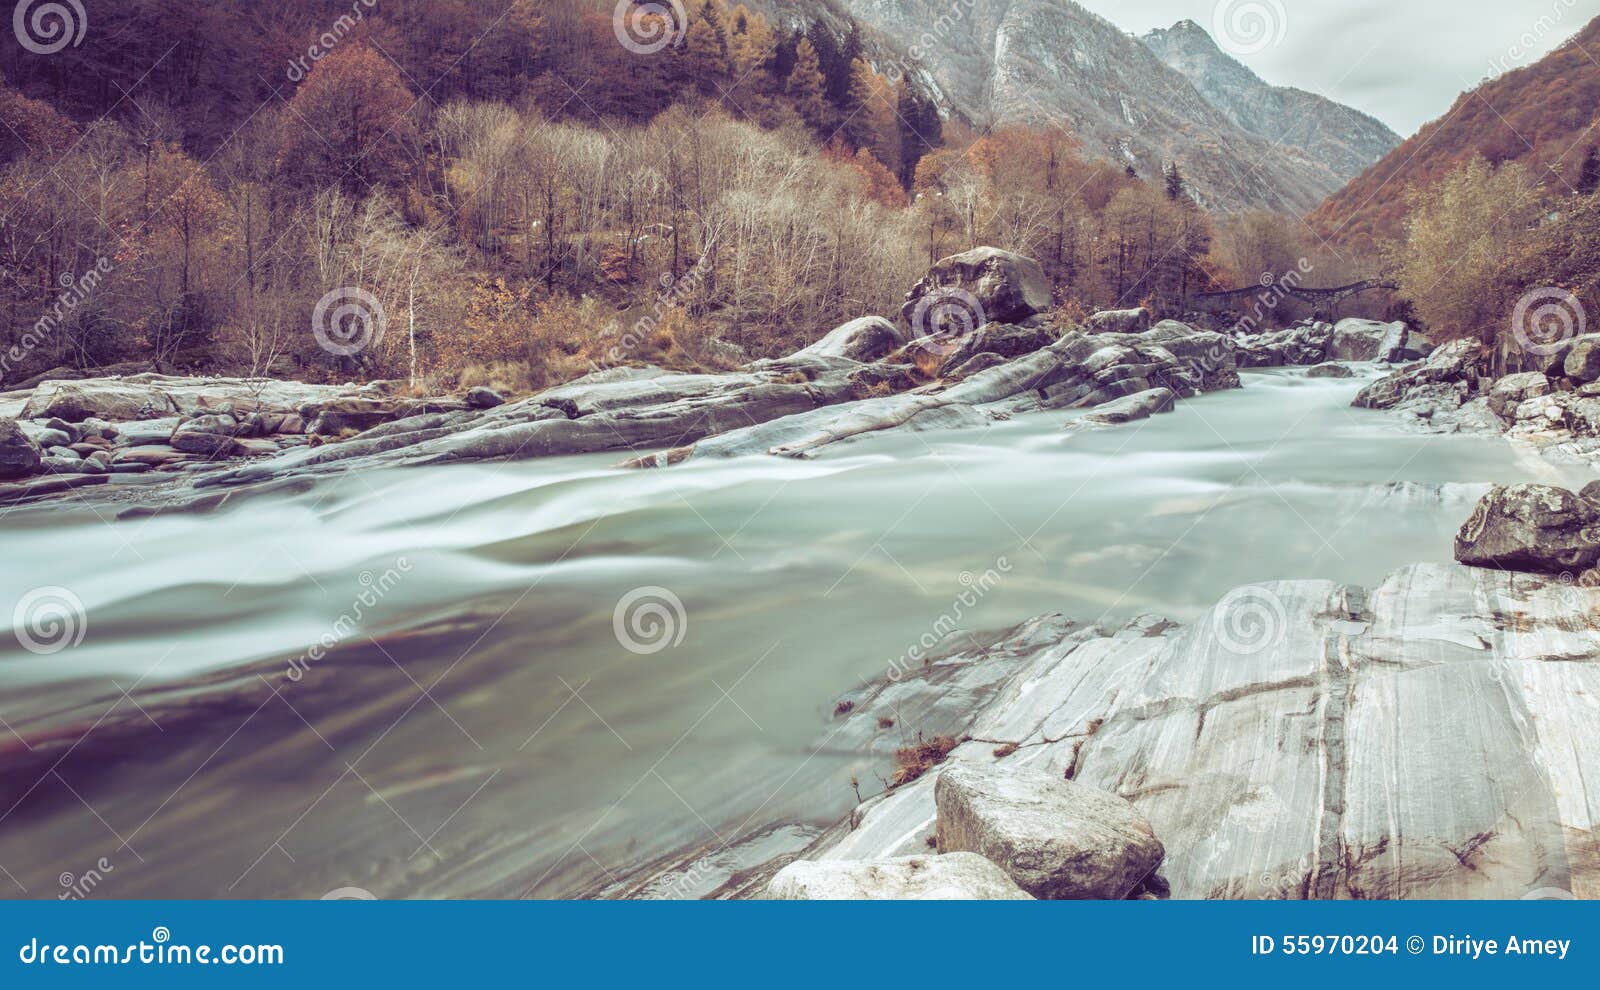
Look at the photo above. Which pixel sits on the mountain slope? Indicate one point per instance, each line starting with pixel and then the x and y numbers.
pixel 1347 140
pixel 1544 115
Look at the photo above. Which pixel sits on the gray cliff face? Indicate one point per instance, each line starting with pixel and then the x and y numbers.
pixel 1347 140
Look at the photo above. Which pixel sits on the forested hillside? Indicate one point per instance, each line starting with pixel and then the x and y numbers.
pixel 1542 116
pixel 466 191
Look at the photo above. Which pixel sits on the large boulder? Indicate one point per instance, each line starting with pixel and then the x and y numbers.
pixel 866 339
pixel 1531 528
pixel 1119 321
pixel 1007 288
pixel 1330 370
pixel 1368 340
pixel 1057 839
pixel 20 457
pixel 959 876
pixel 1209 359
pixel 1582 363
pixel 1513 390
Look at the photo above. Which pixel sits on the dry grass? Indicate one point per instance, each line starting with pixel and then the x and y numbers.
pixel 844 707
pixel 917 759
pixel 1001 752
pixel 886 722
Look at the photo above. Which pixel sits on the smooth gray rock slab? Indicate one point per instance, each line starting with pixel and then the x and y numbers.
pixel 866 339
pixel 959 876
pixel 1140 405
pixel 1059 840
pixel 1582 363
pixel 1329 370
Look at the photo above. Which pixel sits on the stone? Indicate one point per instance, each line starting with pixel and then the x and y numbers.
pixel 1058 839
pixel 49 484
pixel 1005 340
pixel 1140 405
pixel 1006 287
pixel 481 397
pixel 1591 492
pixel 1368 340
pixel 52 438
pixel 1329 370
pixel 958 876
pixel 1582 363
pixel 867 339
pixel 1305 344
pixel 1119 321
pixel 1536 528
pixel 106 400
pixel 1451 363
pixel 20 456
pixel 1511 391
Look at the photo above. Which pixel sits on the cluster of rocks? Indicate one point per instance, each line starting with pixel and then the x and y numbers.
pixel 1002 832
pixel 66 435
pixel 1313 342
pixel 1555 408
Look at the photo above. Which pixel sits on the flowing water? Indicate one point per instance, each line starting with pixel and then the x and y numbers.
pixel 533 675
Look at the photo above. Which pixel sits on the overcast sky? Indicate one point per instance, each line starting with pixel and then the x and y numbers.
pixel 1403 61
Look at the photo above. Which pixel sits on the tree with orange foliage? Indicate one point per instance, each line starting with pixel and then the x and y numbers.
pixel 355 127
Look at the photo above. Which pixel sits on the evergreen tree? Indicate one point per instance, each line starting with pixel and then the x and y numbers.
pixel 1175 186
pixel 807 87
pixel 1589 172
pixel 921 131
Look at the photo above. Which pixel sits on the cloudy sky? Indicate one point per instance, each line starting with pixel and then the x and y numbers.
pixel 1403 61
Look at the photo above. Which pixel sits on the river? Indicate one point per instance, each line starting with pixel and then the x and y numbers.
pixel 541 674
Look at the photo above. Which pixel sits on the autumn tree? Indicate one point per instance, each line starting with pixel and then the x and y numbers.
pixel 1454 264
pixel 807 88
pixel 355 127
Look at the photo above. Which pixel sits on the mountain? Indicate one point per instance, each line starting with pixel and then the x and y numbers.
pixel 1544 115
pixel 1347 140
pixel 1053 63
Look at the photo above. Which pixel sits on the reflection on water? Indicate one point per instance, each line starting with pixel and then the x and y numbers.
pixel 465 719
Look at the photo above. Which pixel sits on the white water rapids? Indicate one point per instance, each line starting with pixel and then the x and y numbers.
pixel 480 728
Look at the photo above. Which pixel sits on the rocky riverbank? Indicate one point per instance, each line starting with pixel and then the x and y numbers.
pixel 952 366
